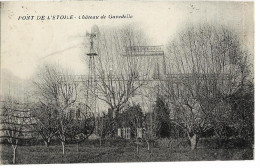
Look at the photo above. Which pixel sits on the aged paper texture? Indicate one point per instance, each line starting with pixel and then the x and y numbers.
pixel 98 82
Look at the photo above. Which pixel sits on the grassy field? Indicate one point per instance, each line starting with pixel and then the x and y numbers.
pixel 89 153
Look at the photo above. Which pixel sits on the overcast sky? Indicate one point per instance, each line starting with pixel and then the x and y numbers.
pixel 25 44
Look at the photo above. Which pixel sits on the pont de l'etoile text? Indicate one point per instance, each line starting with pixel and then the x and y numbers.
pixel 73 17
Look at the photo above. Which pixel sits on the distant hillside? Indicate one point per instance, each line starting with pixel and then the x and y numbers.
pixel 13 85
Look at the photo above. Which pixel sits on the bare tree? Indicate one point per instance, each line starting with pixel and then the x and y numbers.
pixel 82 125
pixel 46 119
pixel 118 77
pixel 209 66
pixel 57 91
pixel 16 123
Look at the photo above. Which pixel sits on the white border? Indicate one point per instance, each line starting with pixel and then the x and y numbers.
pixel 190 164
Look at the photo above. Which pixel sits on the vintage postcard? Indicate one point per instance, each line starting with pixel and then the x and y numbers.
pixel 99 82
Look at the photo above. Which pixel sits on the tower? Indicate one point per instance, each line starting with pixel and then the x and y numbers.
pixel 91 81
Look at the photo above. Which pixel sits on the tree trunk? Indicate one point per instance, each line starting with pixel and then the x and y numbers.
pixel 47 142
pixel 14 154
pixel 137 148
pixel 63 147
pixel 170 145
pixel 148 145
pixel 194 141
pixel 100 142
pixel 77 146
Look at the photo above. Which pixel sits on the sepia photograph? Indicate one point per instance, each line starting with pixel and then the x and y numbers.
pixel 123 82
